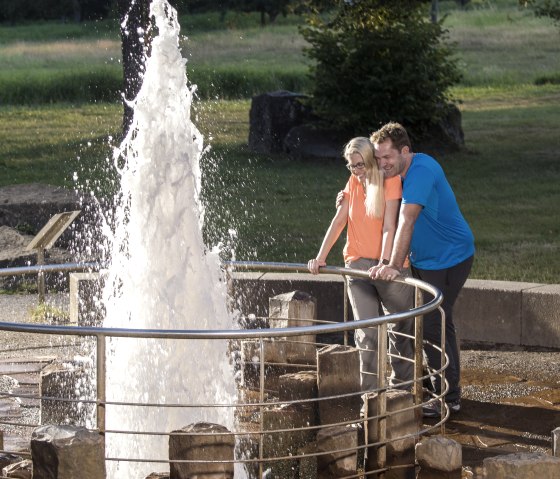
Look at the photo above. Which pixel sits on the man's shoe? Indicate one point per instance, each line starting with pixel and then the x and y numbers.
pixel 432 409
pixel 454 406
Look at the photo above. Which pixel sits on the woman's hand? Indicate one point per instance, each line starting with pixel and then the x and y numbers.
pixel 313 265
pixel 339 198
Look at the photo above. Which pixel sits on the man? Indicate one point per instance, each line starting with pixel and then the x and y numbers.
pixel 440 243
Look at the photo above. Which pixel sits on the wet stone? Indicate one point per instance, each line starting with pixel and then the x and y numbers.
pixel 439 453
pixel 522 466
pixel 203 442
pixel 67 451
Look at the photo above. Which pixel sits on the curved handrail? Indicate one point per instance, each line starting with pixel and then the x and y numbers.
pixel 221 333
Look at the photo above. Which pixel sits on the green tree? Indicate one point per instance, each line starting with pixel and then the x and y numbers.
pixel 379 60
pixel 545 8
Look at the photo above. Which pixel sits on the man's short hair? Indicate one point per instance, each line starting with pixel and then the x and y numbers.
pixel 392 131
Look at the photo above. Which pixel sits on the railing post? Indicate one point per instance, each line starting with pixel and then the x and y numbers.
pixel 442 374
pixel 261 407
pixel 101 384
pixel 345 294
pixel 418 348
pixel 382 397
pixel 41 276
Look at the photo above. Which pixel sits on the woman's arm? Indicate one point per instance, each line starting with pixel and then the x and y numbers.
pixel 336 227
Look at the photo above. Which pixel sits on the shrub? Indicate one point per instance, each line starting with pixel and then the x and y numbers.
pixel 378 61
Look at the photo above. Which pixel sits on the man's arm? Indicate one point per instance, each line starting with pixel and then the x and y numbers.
pixel 407 218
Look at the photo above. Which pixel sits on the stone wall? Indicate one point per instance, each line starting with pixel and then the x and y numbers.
pixel 492 312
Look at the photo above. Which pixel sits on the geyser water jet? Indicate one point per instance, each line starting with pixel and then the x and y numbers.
pixel 161 275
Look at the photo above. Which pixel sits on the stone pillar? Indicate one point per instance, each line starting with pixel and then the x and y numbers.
pixel 284 436
pixel 275 357
pixel 62 380
pixel 308 464
pixel 292 310
pixel 64 452
pixel 556 442
pixel 398 451
pixel 522 466
pixel 439 458
pixel 333 442
pixel 201 442
pixel 338 372
pixel 295 386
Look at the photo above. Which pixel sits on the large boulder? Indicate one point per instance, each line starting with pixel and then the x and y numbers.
pixel 272 116
pixel 310 141
pixel 445 135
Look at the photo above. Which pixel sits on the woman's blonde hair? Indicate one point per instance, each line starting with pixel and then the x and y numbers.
pixel 375 199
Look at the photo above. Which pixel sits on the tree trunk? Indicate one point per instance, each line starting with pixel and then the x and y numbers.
pixel 434 11
pixel 134 17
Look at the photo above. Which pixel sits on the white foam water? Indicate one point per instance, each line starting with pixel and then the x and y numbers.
pixel 160 275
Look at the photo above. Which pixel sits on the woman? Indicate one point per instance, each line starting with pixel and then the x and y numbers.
pixel 369 209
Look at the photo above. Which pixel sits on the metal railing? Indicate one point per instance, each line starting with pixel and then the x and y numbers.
pixel 262 336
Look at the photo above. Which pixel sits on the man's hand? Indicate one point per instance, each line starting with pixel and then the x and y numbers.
pixel 385 272
pixel 339 199
pixel 313 265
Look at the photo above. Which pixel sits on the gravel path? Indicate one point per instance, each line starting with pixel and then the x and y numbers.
pixel 23 308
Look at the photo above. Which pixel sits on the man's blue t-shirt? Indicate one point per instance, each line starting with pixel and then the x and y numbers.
pixel 441 237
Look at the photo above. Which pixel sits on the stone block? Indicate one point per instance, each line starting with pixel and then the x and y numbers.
pixel 67 452
pixel 308 464
pixel 284 436
pixel 522 466
pixel 86 308
pixel 490 311
pixel 202 442
pixel 338 372
pixel 292 310
pixel 338 445
pixel 295 386
pixel 400 422
pixel 541 316
pixel 67 380
pixel 439 453
pixel 556 442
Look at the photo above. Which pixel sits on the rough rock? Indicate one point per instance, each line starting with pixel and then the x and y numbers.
pixel 271 117
pixel 521 466
pixel 446 135
pixel 439 453
pixel 313 142
pixel 67 452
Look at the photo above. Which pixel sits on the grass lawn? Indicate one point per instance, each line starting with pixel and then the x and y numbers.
pixel 506 178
